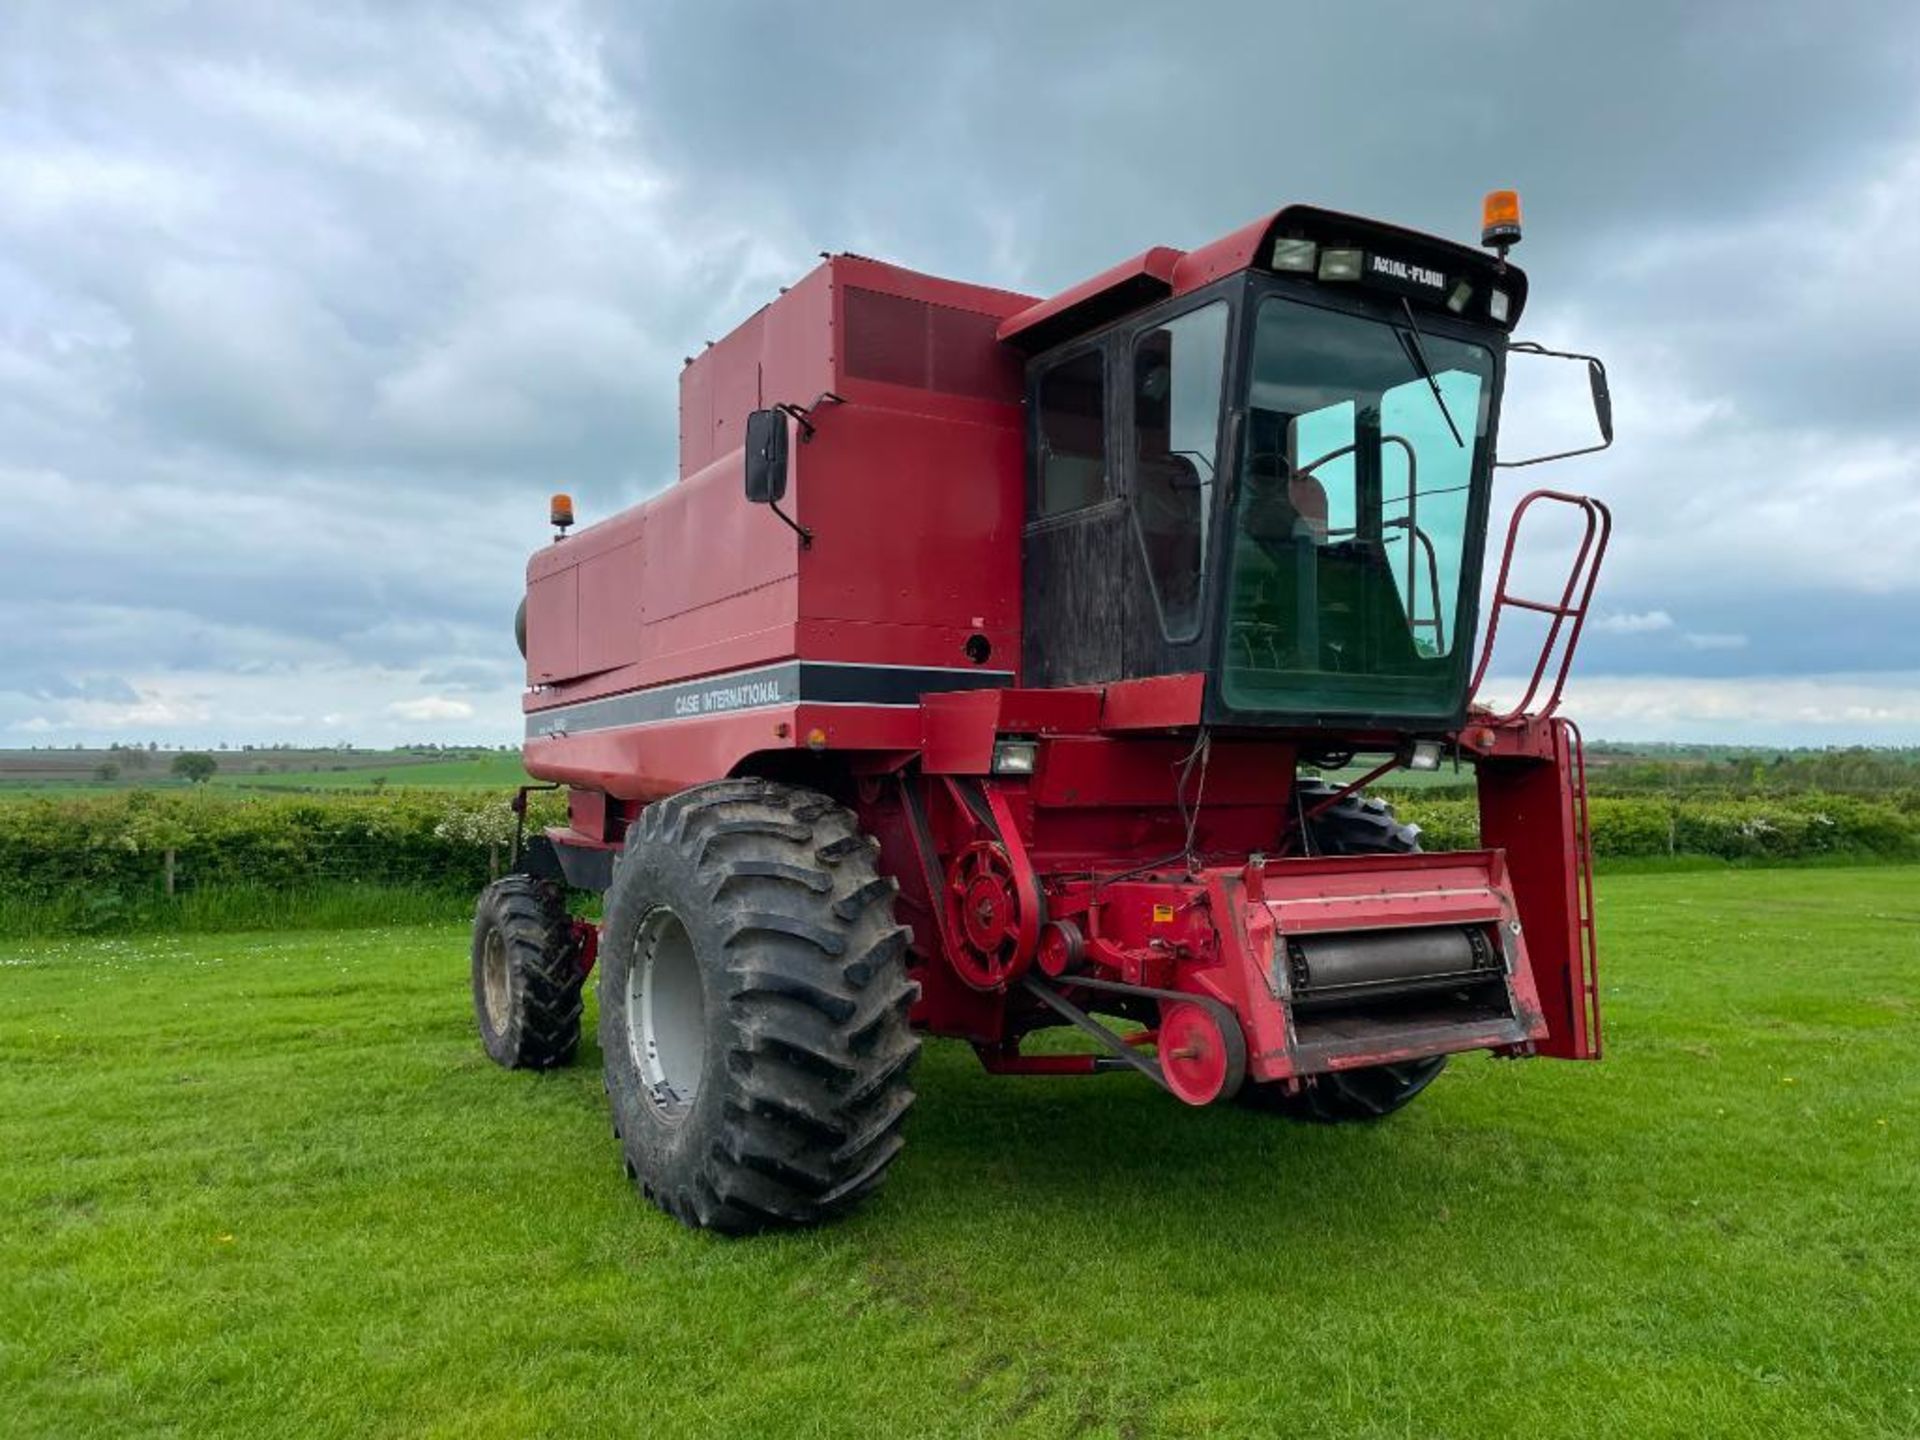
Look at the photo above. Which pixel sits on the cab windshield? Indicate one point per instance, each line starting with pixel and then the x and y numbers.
pixel 1350 550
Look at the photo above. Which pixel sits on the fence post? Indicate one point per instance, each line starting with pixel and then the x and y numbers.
pixel 169 872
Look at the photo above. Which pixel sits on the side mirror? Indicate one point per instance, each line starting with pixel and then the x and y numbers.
pixel 1602 399
pixel 1602 403
pixel 766 457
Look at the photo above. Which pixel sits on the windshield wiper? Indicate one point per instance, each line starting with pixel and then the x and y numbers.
pixel 1416 352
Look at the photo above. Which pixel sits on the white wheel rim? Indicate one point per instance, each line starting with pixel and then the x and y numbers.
pixel 666 1013
pixel 495 988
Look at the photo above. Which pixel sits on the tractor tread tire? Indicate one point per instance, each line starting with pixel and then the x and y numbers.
pixel 1357 825
pixel 808 1052
pixel 1345 1097
pixel 542 1028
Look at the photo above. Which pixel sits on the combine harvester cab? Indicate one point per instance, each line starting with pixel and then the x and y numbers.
pixel 981 675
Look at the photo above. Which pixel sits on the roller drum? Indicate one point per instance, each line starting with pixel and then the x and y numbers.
pixel 1359 964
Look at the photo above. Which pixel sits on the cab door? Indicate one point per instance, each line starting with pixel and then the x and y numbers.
pixel 1077 541
pixel 1175 365
pixel 1125 497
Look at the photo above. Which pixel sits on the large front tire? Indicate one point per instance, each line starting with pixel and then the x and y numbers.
pixel 753 1008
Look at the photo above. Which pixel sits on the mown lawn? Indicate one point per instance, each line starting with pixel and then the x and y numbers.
pixel 266 1184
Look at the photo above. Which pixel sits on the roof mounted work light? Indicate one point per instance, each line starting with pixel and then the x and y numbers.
pixel 1293 254
pixel 1340 264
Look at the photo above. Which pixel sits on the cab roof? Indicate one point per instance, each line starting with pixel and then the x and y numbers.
pixel 1155 274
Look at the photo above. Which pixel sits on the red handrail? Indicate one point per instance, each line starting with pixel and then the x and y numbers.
pixel 1588 1000
pixel 1569 615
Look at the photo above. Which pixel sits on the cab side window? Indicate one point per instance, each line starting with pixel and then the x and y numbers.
pixel 1073 436
pixel 1177 375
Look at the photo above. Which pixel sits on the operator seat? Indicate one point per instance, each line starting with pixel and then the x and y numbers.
pixel 1170 497
pixel 1281 505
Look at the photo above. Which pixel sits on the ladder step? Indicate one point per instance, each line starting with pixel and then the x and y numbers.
pixel 1566 611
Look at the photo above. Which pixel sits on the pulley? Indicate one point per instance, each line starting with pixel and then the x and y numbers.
pixel 992 928
pixel 1202 1058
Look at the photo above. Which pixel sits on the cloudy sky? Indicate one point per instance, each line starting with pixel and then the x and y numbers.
pixel 304 309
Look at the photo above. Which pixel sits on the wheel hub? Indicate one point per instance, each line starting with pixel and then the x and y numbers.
pixel 496 986
pixel 667 1013
pixel 1200 1060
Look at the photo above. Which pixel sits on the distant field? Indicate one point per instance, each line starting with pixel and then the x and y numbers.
pixel 500 772
pixel 265 1185
pixel 60 772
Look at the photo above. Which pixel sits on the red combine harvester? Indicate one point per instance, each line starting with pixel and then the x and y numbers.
pixel 964 684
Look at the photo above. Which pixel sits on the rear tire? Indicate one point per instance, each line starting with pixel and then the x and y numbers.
pixel 526 974
pixel 753 1008
pixel 1346 1097
pixel 1358 825
pixel 1355 826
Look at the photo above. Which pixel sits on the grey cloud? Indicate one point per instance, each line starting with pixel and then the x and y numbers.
pixel 53 686
pixel 1777 632
pixel 475 675
pixel 308 309
pixel 1115 129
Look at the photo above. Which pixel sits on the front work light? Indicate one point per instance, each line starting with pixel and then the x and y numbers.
pixel 1297 255
pixel 1014 757
pixel 1498 306
pixel 1461 294
pixel 1500 219
pixel 1425 755
pixel 1339 264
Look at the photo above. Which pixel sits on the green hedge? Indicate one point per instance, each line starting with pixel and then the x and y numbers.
pixel 100 861
pixel 93 861
pixel 1784 827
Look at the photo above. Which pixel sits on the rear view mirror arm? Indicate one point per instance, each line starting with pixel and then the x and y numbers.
pixel 802 417
pixel 1602 403
pixel 806 535
pixel 802 413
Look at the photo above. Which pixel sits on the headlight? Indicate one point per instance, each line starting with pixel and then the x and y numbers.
pixel 1295 255
pixel 1014 757
pixel 1339 264
pixel 1425 755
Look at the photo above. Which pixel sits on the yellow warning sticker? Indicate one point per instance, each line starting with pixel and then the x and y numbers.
pixel 1163 914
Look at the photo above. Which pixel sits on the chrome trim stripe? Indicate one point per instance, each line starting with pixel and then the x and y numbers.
pixel 791 682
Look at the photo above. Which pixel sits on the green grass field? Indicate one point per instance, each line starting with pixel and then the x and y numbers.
pixel 267 1185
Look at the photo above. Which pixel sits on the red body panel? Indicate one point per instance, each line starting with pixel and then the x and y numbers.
pixel 1158 702
pixel 1128 285
pixel 911 485
pixel 1530 810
